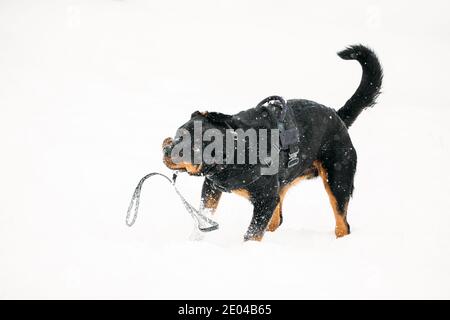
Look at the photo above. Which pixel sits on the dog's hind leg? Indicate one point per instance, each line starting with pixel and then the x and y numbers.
pixel 210 197
pixel 337 169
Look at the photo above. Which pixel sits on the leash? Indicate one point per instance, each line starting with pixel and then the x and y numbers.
pixel 202 222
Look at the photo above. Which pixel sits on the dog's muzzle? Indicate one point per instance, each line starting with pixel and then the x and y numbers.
pixel 167 147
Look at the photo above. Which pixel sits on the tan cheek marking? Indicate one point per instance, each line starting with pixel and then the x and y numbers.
pixel 191 168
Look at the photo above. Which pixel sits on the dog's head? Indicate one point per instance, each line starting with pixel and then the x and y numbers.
pixel 184 152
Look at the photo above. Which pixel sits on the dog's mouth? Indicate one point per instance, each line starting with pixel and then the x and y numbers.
pixel 167 146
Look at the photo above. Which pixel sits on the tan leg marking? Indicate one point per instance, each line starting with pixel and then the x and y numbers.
pixel 243 193
pixel 255 238
pixel 340 217
pixel 275 221
pixel 212 201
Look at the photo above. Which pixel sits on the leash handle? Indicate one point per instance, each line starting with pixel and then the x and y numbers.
pixel 202 222
pixel 135 199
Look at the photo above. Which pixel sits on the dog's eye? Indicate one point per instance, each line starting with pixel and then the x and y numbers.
pixel 178 140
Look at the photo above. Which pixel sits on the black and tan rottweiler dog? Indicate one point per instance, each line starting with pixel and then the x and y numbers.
pixel 324 149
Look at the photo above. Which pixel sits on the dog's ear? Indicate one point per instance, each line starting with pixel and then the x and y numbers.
pixel 218 117
pixel 195 114
pixel 198 113
pixel 214 117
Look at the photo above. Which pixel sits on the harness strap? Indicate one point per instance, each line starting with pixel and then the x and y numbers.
pixel 289 133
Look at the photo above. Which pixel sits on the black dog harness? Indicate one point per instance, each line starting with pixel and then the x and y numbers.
pixel 289 133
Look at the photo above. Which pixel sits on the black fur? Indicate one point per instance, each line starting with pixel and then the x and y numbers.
pixel 325 149
pixel 370 86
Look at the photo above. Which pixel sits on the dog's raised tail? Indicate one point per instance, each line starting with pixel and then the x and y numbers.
pixel 369 88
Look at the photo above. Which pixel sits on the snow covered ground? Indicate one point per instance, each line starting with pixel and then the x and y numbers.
pixel 89 89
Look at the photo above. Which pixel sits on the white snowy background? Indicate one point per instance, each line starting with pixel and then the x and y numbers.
pixel 89 89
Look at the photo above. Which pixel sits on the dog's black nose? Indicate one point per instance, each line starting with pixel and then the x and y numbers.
pixel 167 150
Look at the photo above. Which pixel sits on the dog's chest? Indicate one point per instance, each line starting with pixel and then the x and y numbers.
pixel 233 178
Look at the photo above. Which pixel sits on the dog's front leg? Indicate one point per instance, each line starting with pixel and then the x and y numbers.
pixel 263 209
pixel 210 197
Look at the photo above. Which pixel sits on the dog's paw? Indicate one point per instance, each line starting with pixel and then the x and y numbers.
pixel 342 231
pixel 250 236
